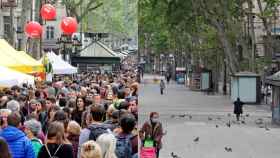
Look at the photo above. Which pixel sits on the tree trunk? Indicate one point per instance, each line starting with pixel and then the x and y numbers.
pixel 228 50
pixel 253 37
pixel 12 30
pixel 146 53
pixel 268 41
pixel 26 7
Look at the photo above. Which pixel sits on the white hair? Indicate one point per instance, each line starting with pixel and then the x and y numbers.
pixel 13 105
pixel 34 126
pixel 107 142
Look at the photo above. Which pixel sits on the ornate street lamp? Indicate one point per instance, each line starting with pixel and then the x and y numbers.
pixel 67 43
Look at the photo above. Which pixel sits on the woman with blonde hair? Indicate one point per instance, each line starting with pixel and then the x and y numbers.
pixel 91 149
pixel 107 142
pixel 56 144
pixel 73 134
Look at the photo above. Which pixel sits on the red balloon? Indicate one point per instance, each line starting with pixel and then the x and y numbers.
pixel 48 12
pixel 69 25
pixel 33 29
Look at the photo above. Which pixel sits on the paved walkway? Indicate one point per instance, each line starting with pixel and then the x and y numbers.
pixel 208 112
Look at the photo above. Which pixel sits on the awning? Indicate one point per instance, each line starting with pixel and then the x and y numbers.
pixel 19 61
pixel 273 79
pixel 9 78
pixel 33 65
pixel 59 66
pixel 10 61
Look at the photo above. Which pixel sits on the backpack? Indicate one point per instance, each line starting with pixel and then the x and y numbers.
pixel 97 130
pixel 124 146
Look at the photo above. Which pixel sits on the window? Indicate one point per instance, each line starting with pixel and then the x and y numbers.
pixel 7 26
pixel 50 32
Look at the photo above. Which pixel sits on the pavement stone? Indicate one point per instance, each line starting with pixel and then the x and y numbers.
pixel 246 140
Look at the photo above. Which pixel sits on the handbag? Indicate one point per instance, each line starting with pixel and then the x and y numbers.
pixel 148 152
pixel 149 142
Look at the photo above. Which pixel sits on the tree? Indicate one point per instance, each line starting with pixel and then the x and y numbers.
pixel 118 17
pixel 81 8
pixel 267 9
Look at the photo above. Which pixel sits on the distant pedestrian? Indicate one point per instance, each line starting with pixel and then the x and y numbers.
pixel 162 86
pixel 168 77
pixel 238 108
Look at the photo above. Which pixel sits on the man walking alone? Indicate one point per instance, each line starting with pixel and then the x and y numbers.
pixel 238 108
pixel 162 86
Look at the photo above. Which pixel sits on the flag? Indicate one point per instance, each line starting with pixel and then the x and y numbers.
pixel 47 64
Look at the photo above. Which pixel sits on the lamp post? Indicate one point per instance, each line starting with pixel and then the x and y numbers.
pixel 77 44
pixel 67 42
pixel 225 78
pixel 161 62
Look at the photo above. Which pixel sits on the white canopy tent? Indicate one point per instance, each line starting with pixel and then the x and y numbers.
pixel 59 65
pixel 9 78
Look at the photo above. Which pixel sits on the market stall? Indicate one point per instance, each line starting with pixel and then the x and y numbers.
pixel 59 66
pixel 9 77
pixel 19 61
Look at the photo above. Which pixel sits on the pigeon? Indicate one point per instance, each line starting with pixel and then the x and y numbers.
pixel 247 115
pixel 196 139
pixel 259 121
pixel 217 126
pixel 266 128
pixel 228 124
pixel 243 122
pixel 228 149
pixel 190 117
pixel 182 115
pixel 210 119
pixel 229 115
pixel 174 155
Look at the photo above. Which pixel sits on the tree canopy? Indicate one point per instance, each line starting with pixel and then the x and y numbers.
pixel 206 28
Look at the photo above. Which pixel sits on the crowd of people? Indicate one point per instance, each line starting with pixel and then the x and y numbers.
pixel 89 115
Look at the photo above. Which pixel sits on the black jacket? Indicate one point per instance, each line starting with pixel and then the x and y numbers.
pixel 238 105
pixel 65 150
